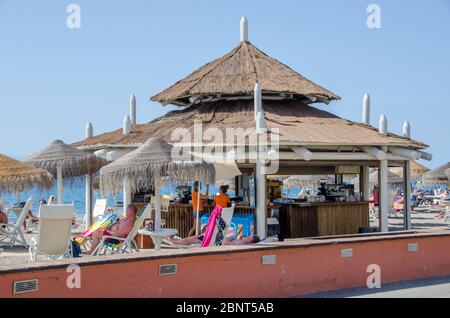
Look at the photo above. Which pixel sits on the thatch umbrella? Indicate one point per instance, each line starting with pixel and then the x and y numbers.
pixel 16 176
pixel 64 161
pixel 147 166
pixel 393 178
pixel 417 170
pixel 438 175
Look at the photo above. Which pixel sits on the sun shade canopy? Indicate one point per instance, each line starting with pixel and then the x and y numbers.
pixel 151 160
pixel 16 176
pixel 74 162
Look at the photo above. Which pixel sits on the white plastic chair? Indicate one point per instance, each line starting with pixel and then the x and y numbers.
pixel 99 208
pixel 125 245
pixel 14 232
pixel 165 203
pixel 53 240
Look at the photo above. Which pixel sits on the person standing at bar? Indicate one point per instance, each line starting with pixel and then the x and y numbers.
pixel 222 198
pixel 198 204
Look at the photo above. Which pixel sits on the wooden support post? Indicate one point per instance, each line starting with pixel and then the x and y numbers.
pixel 364 183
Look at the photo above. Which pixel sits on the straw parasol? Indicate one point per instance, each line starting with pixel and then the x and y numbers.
pixel 393 178
pixel 147 166
pixel 16 176
pixel 64 161
pixel 439 175
pixel 417 170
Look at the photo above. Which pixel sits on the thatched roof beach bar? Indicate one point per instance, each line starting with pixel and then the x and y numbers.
pixel 245 89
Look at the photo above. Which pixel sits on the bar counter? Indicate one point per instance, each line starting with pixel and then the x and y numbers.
pixel 323 219
pixel 181 216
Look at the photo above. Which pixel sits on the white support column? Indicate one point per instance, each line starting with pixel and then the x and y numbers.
pixel 59 180
pixel 126 194
pixel 89 194
pixel 157 203
pixel 261 196
pixel 407 195
pixel 17 197
pixel 365 183
pixel 384 204
pixel 89 197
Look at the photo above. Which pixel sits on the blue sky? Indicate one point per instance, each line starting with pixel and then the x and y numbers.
pixel 54 79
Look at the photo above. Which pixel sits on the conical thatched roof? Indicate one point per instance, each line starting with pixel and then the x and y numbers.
pixel 439 175
pixel 236 73
pixel 16 176
pixel 141 166
pixel 296 122
pixel 74 162
pixel 417 170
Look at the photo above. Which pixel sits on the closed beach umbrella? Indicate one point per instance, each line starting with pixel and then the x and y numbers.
pixel 64 161
pixel 146 166
pixel 438 175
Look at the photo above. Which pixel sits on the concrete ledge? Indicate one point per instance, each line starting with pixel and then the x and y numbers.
pixel 280 269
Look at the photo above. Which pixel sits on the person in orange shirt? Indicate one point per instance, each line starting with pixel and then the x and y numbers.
pixel 222 198
pixel 198 204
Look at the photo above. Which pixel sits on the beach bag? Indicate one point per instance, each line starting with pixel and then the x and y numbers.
pixel 76 249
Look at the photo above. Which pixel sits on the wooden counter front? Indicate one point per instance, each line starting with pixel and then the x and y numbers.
pixel 181 216
pixel 323 219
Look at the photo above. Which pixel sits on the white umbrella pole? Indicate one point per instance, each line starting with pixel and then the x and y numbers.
pixel 157 203
pixel 59 183
pixel 18 197
pixel 89 197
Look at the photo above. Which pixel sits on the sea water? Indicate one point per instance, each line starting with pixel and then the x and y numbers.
pixel 74 192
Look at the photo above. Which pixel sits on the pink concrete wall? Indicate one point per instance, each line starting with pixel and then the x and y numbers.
pixel 240 274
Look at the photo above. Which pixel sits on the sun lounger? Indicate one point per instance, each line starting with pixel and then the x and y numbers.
pixel 53 240
pixel 14 231
pixel 101 224
pixel 122 245
pixel 227 215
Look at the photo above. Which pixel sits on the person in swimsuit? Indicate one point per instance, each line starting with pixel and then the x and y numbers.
pixel 197 239
pixel 119 229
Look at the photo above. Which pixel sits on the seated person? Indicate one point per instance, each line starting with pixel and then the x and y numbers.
pixel 222 198
pixel 197 239
pixel 3 217
pixel 120 229
pixel 30 217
